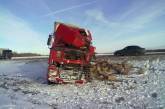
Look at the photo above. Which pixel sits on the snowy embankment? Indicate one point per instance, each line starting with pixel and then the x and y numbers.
pixel 23 85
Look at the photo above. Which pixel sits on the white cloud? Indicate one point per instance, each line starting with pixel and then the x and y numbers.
pixel 129 28
pixel 144 16
pixel 18 35
pixel 134 18
pixel 97 15
pixel 70 8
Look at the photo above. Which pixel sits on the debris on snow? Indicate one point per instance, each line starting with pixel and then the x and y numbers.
pixel 23 85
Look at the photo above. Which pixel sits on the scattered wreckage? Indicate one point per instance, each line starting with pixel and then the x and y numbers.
pixel 103 70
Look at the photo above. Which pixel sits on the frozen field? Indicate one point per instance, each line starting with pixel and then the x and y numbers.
pixel 23 86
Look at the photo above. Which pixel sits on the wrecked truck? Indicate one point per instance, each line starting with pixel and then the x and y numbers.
pixel 5 53
pixel 71 52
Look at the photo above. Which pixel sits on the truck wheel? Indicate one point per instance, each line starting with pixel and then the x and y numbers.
pixel 5 57
pixel 9 57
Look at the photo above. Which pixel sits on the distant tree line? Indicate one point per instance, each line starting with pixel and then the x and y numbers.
pixel 156 50
pixel 15 54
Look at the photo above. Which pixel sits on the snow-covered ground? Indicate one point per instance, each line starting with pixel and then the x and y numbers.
pixel 23 86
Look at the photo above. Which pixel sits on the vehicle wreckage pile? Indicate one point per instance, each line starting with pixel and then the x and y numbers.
pixel 71 49
pixel 104 70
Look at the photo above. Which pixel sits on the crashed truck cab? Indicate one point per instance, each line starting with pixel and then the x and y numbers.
pixel 71 51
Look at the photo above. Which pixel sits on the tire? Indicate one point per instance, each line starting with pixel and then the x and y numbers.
pixel 49 82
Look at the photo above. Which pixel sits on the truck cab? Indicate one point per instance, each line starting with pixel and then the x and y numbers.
pixel 70 53
pixel 6 54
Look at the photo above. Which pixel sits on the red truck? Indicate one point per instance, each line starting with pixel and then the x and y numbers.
pixel 71 51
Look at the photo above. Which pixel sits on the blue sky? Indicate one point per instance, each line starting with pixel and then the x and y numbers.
pixel 25 24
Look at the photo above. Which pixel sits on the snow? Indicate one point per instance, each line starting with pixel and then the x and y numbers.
pixel 23 86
